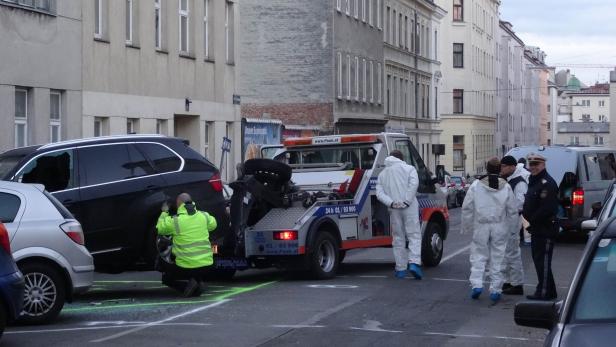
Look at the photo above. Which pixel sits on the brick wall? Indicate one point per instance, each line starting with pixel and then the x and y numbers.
pixel 319 114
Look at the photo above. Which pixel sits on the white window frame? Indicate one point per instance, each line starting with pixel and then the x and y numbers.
pixel 99 121
pixel 370 19
pixel 356 9
pixel 365 80
pixel 338 5
pixel 339 75
pixel 206 27
pixel 98 29
pixel 55 123
pixel 356 78
pixel 228 33
pixel 130 125
pixel 379 72
pixel 22 120
pixel 363 10
pixel 371 82
pixel 184 13
pixel 159 29
pixel 347 9
pixel 379 22
pixel 348 77
pixel 129 14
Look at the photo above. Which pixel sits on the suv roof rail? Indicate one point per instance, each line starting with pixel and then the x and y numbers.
pixel 92 139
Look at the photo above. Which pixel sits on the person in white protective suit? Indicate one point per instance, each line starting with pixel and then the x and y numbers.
pixel 513 272
pixel 488 205
pixel 396 188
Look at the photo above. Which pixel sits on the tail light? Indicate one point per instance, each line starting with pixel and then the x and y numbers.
pixel 216 182
pixel 4 239
pixel 286 235
pixel 578 197
pixel 73 231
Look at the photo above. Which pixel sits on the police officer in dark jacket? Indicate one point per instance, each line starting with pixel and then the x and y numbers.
pixel 540 209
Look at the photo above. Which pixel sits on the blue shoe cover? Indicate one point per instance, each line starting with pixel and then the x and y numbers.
pixel 475 293
pixel 415 270
pixel 400 274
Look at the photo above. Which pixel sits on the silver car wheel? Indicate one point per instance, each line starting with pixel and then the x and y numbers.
pixel 40 294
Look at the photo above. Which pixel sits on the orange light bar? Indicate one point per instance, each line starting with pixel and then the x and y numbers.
pixel 299 141
pixel 358 138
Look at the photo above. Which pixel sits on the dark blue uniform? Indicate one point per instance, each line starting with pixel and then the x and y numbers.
pixel 540 209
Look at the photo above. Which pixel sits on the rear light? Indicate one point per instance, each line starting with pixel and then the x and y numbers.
pixel 578 197
pixel 286 235
pixel 216 182
pixel 4 239
pixel 73 231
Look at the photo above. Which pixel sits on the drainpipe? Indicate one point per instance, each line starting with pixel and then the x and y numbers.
pixel 415 27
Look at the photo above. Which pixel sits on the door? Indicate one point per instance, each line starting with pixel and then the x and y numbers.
pixel 113 189
pixel 58 173
pixel 600 172
pixel 412 157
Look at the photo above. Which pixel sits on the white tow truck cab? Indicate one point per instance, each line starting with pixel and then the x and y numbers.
pixel 329 205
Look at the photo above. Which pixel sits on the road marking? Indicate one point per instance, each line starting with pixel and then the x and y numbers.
pixel 316 318
pixel 297 326
pixel 332 286
pixel 162 321
pixel 372 276
pixel 481 336
pixel 119 322
pixel 460 251
pixel 375 326
pixel 61 330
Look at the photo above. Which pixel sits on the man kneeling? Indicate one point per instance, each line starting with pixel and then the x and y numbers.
pixel 190 232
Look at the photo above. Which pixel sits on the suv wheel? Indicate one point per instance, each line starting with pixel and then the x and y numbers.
pixel 324 257
pixel 432 245
pixel 44 294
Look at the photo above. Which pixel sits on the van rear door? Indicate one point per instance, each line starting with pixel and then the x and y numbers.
pixel 600 170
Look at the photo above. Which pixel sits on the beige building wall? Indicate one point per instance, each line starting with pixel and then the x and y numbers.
pixel 590 107
pixel 132 82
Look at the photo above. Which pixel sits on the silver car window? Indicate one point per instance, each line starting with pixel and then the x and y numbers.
pixel 9 206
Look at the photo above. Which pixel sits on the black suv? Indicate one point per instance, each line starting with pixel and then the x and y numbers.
pixel 115 187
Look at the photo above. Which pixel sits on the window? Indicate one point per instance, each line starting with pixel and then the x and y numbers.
pixel 338 7
pixel 370 19
pixel 458 55
pixel 363 10
pixel 206 28
pixel 129 21
pixel 229 32
pixel 104 164
pixel 9 206
pixel 53 170
pixel 356 78
pixel 347 7
pixel 458 101
pixel 371 82
pixel 549 125
pixel 98 18
pixel 412 157
pixel 458 10
pixel 163 159
pixel 21 117
pixel 364 80
pixel 599 140
pixel 549 108
pixel 602 103
pixel 132 125
pixel 378 15
pixel 161 126
pixel 595 302
pixel 100 126
pixel 340 76
pixel 356 9
pixel 55 107
pixel 348 76
pixel 380 82
pixel 158 25
pixel 184 26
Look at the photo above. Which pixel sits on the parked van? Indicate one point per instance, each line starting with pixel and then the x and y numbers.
pixel 583 175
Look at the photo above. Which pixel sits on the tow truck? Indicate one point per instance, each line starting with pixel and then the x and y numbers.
pixel 316 200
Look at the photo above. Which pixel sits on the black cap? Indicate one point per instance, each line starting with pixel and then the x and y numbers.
pixel 509 160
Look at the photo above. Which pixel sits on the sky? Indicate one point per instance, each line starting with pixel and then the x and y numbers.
pixel 568 31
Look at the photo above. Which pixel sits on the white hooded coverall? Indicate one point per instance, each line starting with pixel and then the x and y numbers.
pixel 513 271
pixel 398 183
pixel 485 213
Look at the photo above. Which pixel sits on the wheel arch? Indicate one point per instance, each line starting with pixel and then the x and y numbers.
pixel 323 224
pixel 439 218
pixel 54 264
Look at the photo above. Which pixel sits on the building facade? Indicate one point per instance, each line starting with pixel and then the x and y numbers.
pixel 164 67
pixel 314 64
pixel 412 71
pixel 40 75
pixel 468 97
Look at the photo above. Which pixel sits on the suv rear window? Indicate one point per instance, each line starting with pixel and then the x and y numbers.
pixel 104 164
pixel 600 166
pixel 9 206
pixel 164 160
pixel 63 211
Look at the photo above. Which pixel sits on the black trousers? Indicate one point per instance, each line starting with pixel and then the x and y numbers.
pixel 177 277
pixel 542 249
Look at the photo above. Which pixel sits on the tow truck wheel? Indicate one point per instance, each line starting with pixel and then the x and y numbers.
pixel 325 256
pixel 432 245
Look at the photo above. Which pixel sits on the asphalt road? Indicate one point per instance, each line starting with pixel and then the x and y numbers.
pixel 363 306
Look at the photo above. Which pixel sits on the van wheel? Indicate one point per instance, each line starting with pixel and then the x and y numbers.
pixel 324 258
pixel 44 294
pixel 432 245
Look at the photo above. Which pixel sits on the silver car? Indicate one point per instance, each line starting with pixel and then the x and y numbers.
pixel 48 246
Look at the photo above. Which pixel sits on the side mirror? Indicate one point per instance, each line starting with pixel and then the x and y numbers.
pixel 536 314
pixel 589 225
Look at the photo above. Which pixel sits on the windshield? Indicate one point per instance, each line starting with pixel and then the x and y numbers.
pixel 334 158
pixel 456 180
pixel 269 152
pixel 7 164
pixel 596 300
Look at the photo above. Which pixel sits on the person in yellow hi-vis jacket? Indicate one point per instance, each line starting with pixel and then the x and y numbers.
pixel 190 233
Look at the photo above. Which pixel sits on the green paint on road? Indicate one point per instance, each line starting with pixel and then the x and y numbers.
pixel 232 292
